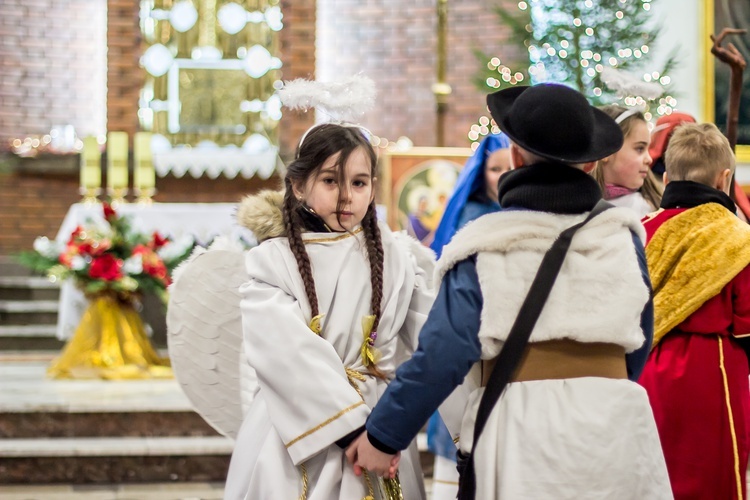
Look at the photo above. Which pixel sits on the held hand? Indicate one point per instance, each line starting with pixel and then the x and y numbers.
pixel 351 454
pixel 728 55
pixel 369 458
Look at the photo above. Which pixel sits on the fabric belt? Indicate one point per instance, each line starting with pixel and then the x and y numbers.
pixel 564 358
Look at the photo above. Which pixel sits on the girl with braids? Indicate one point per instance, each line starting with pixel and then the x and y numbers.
pixel 625 177
pixel 333 305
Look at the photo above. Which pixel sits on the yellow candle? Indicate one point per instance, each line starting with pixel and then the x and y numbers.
pixel 144 176
pixel 117 160
pixel 91 166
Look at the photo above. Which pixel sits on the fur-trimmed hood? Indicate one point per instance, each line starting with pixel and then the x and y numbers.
pixel 261 213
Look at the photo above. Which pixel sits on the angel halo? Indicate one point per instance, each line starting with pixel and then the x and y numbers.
pixel 626 84
pixel 342 102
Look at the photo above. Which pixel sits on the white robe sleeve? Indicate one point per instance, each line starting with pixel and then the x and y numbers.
pixel 423 294
pixel 301 377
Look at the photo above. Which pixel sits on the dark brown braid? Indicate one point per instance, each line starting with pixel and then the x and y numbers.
pixel 376 257
pixel 293 226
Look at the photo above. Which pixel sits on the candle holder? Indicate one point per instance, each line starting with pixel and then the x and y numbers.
pixel 117 195
pixel 144 196
pixel 90 195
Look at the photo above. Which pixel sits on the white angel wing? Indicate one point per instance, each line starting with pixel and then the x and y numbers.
pixel 204 334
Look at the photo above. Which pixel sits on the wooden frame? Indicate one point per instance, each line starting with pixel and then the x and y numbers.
pixel 710 70
pixel 401 171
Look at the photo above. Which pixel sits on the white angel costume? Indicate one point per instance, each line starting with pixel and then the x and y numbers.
pixel 313 389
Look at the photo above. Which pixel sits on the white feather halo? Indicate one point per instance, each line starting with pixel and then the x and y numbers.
pixel 343 101
pixel 626 84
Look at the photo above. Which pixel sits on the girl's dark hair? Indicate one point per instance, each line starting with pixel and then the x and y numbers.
pixel 318 145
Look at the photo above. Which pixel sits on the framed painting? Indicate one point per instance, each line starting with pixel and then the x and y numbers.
pixel 720 14
pixel 415 187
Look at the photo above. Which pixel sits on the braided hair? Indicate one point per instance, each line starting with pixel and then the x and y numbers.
pixel 318 145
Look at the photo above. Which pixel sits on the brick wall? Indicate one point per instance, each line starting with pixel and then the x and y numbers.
pixel 35 205
pixel 394 42
pixel 124 75
pixel 33 98
pixel 58 78
pixel 52 66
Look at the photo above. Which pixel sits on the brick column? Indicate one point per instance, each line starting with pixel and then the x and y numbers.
pixel 298 59
pixel 124 75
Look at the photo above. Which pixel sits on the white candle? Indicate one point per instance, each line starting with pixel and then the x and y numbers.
pixel 117 160
pixel 91 167
pixel 144 176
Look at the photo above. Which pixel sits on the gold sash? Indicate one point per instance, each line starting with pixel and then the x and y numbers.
pixel 691 258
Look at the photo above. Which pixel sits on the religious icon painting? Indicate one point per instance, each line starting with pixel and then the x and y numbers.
pixel 416 186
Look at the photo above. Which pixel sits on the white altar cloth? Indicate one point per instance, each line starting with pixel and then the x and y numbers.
pixel 201 221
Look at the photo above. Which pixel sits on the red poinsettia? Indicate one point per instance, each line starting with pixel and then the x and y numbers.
pixel 109 212
pixel 153 265
pixel 158 241
pixel 106 267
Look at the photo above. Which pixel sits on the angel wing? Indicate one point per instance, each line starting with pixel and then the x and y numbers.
pixel 204 336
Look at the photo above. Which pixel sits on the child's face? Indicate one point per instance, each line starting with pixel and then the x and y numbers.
pixel 322 192
pixel 630 165
pixel 498 162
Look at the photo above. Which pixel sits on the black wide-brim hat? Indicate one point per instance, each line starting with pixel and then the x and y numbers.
pixel 555 122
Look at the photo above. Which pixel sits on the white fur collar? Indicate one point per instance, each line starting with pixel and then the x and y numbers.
pixel 598 296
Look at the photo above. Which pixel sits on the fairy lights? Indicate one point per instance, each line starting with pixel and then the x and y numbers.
pixel 574 41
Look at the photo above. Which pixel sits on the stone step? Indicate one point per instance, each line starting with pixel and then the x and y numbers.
pixel 28 312
pixel 115 447
pixel 29 337
pixel 113 460
pixel 28 331
pixel 88 425
pixel 9 266
pixel 138 491
pixel 28 288
pixel 29 306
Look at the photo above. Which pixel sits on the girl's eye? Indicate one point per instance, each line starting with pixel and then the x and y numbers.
pixel 360 184
pixel 329 180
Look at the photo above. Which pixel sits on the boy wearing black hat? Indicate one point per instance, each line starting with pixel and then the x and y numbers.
pixel 572 423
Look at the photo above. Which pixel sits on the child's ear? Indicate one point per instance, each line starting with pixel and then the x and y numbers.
pixel 298 193
pixel 516 158
pixel 724 180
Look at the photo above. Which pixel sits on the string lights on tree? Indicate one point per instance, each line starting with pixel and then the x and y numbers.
pixel 576 42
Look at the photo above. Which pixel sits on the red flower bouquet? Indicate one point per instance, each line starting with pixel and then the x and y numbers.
pixel 110 257
pixel 113 265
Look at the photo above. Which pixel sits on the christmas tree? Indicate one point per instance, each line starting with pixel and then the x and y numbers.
pixel 583 43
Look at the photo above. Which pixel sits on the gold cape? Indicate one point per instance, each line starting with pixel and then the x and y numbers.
pixel 691 258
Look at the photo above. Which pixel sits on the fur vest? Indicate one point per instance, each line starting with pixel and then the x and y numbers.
pixel 598 296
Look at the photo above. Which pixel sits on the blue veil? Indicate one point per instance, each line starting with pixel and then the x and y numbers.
pixel 469 181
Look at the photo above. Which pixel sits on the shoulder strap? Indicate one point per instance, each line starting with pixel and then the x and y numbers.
pixel 515 345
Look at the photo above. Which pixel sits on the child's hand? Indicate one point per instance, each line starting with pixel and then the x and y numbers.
pixel 364 456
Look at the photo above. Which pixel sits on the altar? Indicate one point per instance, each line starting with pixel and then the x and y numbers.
pixel 198 222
